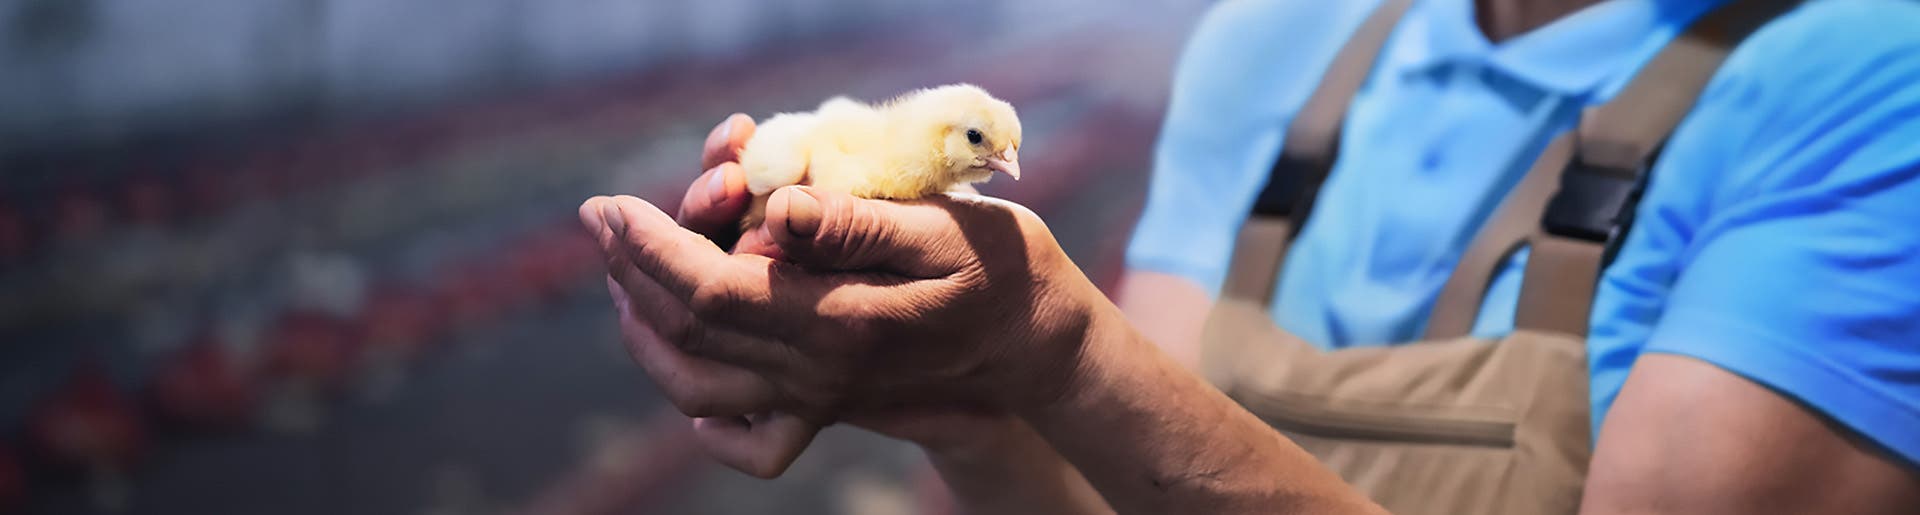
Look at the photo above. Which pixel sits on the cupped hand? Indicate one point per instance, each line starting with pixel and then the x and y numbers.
pixel 761 443
pixel 956 300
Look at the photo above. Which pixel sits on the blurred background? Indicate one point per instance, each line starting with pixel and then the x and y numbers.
pixel 320 256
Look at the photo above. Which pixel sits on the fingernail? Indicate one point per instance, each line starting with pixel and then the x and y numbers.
pixel 803 212
pixel 590 215
pixel 615 219
pixel 717 185
pixel 737 119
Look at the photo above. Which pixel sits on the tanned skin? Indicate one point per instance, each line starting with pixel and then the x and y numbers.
pixel 1683 437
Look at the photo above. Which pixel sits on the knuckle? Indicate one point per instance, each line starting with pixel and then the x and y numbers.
pixel 854 229
pixel 695 406
pixel 713 299
pixel 971 279
pixel 618 270
pixel 692 339
pixel 854 329
pixel 687 397
pixel 651 250
pixel 852 321
pixel 700 340
pixel 874 233
pixel 668 324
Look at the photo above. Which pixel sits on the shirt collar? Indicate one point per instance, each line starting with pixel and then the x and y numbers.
pixel 1590 52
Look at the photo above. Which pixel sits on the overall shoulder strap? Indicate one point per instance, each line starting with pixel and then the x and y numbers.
pixel 1306 157
pixel 1579 195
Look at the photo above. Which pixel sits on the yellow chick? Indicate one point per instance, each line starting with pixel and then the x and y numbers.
pixel 917 144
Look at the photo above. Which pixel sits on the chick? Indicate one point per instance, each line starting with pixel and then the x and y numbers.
pixel 917 144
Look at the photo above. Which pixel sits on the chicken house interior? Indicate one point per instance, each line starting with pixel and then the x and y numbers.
pixel 320 257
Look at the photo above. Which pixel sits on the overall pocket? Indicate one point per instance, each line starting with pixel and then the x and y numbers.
pixel 1381 423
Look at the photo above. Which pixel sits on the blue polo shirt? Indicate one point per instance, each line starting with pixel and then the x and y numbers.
pixel 1779 238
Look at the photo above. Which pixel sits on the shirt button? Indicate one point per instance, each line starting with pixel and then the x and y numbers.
pixel 1430 159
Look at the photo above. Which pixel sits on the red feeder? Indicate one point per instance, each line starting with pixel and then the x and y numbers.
pixel 474 293
pixel 79 215
pixel 207 191
pixel 15 240
pixel 146 201
pixel 311 348
pixel 89 426
pixel 533 275
pixel 205 388
pixel 400 324
pixel 13 483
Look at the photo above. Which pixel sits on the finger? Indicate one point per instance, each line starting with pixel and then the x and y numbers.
pixel 759 242
pixel 761 445
pixel 725 140
pixel 695 386
pixel 672 324
pixel 715 202
pixel 840 232
pixel 667 271
pixel 637 238
pixel 748 294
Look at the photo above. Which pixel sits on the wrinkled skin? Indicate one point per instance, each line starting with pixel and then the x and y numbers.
pixel 882 313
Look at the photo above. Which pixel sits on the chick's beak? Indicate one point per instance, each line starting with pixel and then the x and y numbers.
pixel 1007 162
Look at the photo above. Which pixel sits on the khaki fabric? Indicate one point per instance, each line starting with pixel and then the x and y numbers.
pixel 1455 424
pixel 1461 426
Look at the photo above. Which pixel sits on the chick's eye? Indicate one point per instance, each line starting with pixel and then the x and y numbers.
pixel 973 136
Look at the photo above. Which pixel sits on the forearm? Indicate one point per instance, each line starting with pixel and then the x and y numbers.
pixel 1153 437
pixel 1013 472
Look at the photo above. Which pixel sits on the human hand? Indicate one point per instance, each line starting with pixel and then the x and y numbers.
pixel 761 444
pixel 956 300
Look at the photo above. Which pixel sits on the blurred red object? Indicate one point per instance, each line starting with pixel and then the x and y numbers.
pixel 15 240
pixel 206 388
pixel 147 201
pixel 311 348
pixel 79 214
pixel 13 482
pixel 549 263
pixel 531 273
pixel 474 293
pixel 398 323
pixel 206 191
pixel 88 426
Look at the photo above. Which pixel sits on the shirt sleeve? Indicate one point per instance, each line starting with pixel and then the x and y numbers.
pixel 1248 67
pixel 1799 243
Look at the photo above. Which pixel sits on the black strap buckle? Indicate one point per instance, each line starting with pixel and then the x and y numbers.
pixel 1291 186
pixel 1592 201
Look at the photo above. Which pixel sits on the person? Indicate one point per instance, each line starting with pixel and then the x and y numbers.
pixel 1752 346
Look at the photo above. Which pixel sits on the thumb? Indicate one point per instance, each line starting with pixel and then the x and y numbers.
pixel 836 231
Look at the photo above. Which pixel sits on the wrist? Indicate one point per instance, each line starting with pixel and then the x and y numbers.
pixel 1092 351
pixel 983 444
pixel 1015 471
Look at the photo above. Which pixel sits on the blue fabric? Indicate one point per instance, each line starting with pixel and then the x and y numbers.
pixel 1779 239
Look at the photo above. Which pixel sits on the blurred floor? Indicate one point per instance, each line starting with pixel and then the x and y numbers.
pixel 389 310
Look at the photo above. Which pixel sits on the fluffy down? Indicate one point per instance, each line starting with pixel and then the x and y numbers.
pixel 915 145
